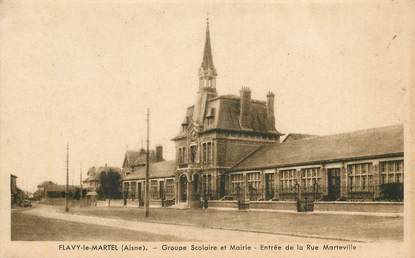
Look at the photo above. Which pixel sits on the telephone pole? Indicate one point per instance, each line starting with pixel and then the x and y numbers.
pixel 147 186
pixel 80 178
pixel 67 177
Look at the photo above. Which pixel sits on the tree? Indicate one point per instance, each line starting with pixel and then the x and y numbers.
pixel 109 184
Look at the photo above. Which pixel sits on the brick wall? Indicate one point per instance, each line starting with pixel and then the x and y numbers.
pixel 382 207
pixel 280 205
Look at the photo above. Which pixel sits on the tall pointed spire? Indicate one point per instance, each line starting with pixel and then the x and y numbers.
pixel 207 71
pixel 207 81
pixel 207 62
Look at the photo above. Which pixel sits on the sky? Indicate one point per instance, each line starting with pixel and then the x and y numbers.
pixel 84 73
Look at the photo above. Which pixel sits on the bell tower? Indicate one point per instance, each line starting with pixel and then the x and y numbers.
pixel 207 80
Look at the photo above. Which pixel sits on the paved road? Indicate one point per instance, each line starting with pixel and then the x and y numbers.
pixel 189 232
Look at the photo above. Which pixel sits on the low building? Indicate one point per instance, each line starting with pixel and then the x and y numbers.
pixel 92 182
pixel 162 183
pixel 348 166
pixel 49 189
pixel 134 159
pixel 13 190
pixel 162 179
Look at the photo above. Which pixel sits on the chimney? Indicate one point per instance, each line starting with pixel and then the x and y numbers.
pixel 270 110
pixel 245 106
pixel 159 153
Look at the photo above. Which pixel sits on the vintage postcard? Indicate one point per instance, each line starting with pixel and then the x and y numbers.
pixel 206 128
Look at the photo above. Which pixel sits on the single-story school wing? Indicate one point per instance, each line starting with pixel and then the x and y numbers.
pixel 366 165
pixel 349 166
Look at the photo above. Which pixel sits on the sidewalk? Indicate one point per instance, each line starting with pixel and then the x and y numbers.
pixel 192 233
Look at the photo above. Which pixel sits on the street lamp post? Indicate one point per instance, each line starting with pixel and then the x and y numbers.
pixel 147 186
pixel 80 181
pixel 67 178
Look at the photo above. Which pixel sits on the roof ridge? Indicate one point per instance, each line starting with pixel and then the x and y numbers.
pixel 348 133
pixel 235 97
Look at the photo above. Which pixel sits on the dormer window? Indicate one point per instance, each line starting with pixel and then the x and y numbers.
pixel 185 123
pixel 209 117
pixel 211 113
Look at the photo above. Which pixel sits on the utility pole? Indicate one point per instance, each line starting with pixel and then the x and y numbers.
pixel 80 178
pixel 147 205
pixel 67 177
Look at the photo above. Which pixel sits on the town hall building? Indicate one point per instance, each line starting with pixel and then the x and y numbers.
pixel 228 148
pixel 216 132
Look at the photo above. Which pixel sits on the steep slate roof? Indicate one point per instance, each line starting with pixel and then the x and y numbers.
pixel 136 158
pixel 157 170
pixel 382 141
pixel 297 136
pixel 226 116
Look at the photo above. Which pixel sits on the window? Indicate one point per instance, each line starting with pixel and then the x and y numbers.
pixel 133 189
pixel 154 190
pixel 269 185
pixel 310 177
pixel 253 180
pixel 182 159
pixel 210 116
pixel 391 171
pixel 206 184
pixel 126 186
pixel 193 153
pixel 204 152
pixel 169 189
pixel 237 183
pixel 288 180
pixel 209 152
pixel 360 177
pixel 179 155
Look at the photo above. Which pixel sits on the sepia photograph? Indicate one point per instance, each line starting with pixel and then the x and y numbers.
pixel 213 128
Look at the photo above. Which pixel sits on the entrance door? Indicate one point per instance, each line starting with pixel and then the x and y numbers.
pixel 161 187
pixel 333 175
pixel 183 188
pixel 139 191
pixel 222 186
pixel 269 186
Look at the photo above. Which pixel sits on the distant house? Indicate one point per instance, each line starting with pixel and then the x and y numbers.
pixel 13 190
pixel 92 182
pixel 16 195
pixel 49 189
pixel 134 159
pixel 161 175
